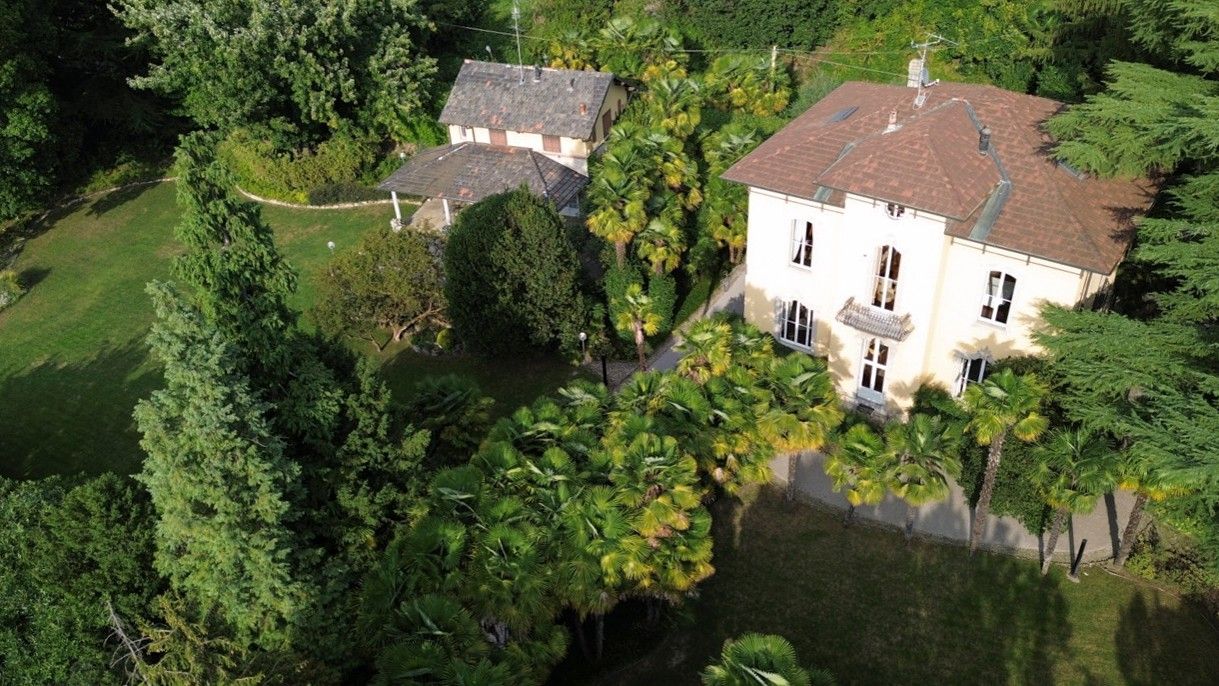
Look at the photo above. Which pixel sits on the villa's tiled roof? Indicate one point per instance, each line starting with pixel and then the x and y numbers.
pixel 469 172
pixel 1015 196
pixel 560 102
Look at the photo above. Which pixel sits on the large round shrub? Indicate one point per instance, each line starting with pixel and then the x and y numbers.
pixel 512 277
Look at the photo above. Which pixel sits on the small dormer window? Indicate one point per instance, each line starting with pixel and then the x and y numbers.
pixel 894 210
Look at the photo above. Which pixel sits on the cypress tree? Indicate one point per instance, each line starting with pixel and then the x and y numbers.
pixel 218 478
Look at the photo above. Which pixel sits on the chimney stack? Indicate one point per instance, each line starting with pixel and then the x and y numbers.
pixel 892 122
pixel 583 108
pixel 916 73
pixel 537 73
pixel 984 140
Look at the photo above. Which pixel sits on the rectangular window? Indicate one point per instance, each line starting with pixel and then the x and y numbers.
pixel 797 324
pixel 875 364
pixel 551 143
pixel 802 243
pixel 606 120
pixel 973 370
pixel 499 137
pixel 884 293
pixel 997 301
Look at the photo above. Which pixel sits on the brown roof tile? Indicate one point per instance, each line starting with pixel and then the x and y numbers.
pixel 931 162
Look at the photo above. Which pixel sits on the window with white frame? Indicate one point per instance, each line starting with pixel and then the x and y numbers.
pixel 875 364
pixel 797 324
pixel 997 300
pixel 894 210
pixel 884 292
pixel 973 370
pixel 802 243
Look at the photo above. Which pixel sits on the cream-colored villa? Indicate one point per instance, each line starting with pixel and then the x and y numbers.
pixel 911 234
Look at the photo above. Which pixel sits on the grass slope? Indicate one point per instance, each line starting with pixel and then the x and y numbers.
pixel 72 357
pixel 858 602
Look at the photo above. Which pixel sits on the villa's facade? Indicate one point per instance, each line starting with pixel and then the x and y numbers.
pixel 913 239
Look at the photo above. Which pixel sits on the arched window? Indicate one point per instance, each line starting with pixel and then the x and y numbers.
pixel 997 300
pixel 875 364
pixel 884 293
pixel 802 243
pixel 797 324
pixel 894 210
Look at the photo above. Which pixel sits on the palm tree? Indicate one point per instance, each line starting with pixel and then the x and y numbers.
pixel 1142 474
pixel 761 660
pixel 1004 404
pixel 617 202
pixel 748 84
pixel 860 465
pixel 804 406
pixel 706 349
pixel 1074 470
pixel 725 217
pixel 675 104
pixel 635 312
pixel 926 457
pixel 662 243
pixel 593 527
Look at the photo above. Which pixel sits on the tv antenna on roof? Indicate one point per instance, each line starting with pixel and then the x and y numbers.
pixel 516 28
pixel 932 39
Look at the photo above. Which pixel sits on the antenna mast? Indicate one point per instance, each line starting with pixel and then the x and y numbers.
pixel 932 39
pixel 516 28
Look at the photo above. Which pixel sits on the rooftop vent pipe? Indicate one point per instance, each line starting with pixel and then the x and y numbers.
pixel 892 122
pixel 537 73
pixel 984 140
pixel 583 108
pixel 571 85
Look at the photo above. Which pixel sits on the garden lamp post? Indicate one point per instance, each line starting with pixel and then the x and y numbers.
pixel 584 347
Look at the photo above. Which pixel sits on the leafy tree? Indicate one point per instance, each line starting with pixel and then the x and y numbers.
pixel 311 67
pixel 512 275
pixel 1004 404
pixel 926 458
pixel 761 659
pixel 758 23
pixel 748 84
pixel 456 415
pixel 69 555
pixel 219 480
pixel 392 281
pixel 27 108
pixel 635 313
pixel 860 465
pixel 1075 470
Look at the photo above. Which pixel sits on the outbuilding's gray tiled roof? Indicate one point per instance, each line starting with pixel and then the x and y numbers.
pixel 558 102
pixel 469 172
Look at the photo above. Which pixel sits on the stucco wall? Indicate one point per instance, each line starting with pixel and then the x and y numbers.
pixel 941 284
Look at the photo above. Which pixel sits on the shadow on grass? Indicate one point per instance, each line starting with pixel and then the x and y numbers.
pixel 28 278
pixel 114 199
pixel 1152 644
pixel 68 418
pixel 857 602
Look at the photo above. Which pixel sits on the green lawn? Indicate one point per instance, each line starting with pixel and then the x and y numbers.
pixel 858 602
pixel 72 356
